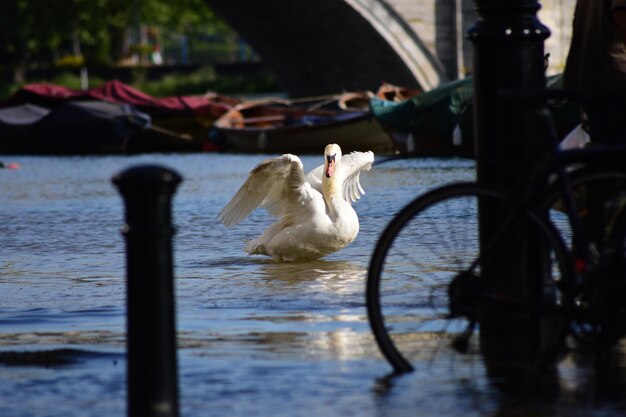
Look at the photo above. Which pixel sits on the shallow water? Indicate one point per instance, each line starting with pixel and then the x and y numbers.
pixel 256 337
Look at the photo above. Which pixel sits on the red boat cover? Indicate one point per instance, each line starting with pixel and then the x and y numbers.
pixel 51 95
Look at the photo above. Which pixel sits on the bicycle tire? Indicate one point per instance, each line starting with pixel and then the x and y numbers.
pixel 431 268
pixel 600 314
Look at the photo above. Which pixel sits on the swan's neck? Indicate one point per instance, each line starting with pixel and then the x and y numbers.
pixel 331 187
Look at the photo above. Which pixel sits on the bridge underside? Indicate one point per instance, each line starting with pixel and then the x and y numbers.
pixel 318 46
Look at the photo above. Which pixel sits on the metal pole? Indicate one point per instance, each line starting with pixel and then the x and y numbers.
pixel 508 54
pixel 152 368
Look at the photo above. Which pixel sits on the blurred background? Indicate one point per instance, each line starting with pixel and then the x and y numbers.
pixel 161 47
pixel 190 46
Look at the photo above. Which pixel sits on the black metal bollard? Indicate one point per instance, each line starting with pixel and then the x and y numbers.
pixel 508 54
pixel 152 367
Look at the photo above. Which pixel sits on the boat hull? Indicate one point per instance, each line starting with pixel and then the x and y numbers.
pixel 361 132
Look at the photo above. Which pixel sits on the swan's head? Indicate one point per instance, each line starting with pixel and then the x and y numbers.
pixel 332 155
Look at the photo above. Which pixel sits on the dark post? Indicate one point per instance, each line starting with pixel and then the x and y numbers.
pixel 508 54
pixel 152 369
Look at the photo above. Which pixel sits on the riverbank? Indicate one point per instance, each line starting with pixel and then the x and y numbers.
pixel 159 81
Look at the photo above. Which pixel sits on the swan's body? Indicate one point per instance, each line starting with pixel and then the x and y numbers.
pixel 315 215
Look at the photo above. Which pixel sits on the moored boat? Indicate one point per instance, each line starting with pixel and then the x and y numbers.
pixel 178 123
pixel 276 126
pixel 432 123
pixel 75 127
pixel 440 122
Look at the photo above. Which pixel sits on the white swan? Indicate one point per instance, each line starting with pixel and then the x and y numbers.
pixel 315 215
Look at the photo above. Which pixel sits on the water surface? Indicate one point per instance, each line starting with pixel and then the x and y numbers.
pixel 256 337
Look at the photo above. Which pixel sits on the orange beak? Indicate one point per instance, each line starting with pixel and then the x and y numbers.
pixel 330 166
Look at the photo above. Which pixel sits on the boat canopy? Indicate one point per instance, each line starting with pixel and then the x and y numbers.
pixel 51 95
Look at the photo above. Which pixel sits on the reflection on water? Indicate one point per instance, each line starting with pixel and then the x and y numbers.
pixel 333 276
pixel 255 336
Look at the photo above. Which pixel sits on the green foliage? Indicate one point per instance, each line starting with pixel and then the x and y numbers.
pixel 72 80
pixel 34 33
pixel 182 15
pixel 198 82
pixel 205 80
pixel 70 61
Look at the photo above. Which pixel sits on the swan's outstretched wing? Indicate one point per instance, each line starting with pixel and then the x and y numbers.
pixel 314 177
pixel 352 165
pixel 275 184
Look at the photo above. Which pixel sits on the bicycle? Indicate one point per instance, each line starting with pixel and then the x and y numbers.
pixel 438 290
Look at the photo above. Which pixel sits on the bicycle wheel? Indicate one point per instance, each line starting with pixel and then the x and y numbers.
pixel 424 279
pixel 600 310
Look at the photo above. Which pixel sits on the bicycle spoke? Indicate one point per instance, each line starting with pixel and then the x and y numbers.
pixel 424 283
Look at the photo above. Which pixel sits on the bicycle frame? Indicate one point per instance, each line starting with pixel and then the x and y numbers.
pixel 553 174
pixel 551 288
pixel 559 161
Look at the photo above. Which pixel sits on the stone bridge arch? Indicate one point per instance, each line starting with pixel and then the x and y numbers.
pixel 326 46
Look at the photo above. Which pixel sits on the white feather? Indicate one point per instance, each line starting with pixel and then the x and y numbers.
pixel 352 166
pixel 311 221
